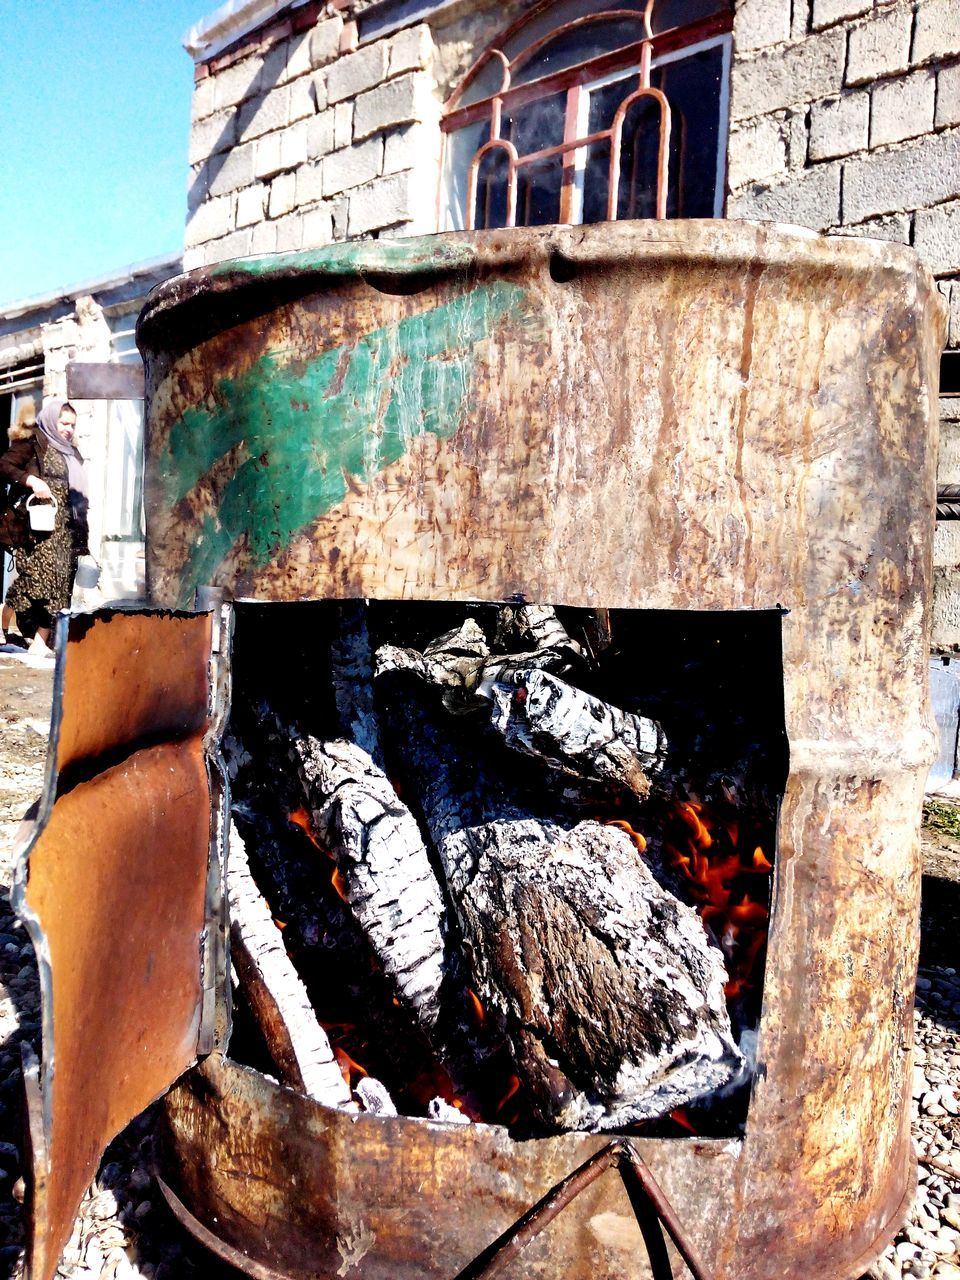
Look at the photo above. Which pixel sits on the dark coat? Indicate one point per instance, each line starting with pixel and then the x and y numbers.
pixel 25 457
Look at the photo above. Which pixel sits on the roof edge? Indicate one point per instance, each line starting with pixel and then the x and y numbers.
pixel 231 22
pixel 236 19
pixel 95 284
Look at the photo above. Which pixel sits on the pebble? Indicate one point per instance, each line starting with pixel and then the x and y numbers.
pixel 883 1269
pixel 929 1244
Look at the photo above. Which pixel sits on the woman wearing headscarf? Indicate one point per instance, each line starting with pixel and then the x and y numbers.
pixel 22 429
pixel 48 465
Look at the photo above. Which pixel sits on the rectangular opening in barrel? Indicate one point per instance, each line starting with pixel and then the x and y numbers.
pixel 519 858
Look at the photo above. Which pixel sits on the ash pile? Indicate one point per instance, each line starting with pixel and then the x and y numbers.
pixel 504 863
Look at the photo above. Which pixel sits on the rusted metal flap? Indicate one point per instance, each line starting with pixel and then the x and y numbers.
pixel 118 888
pixel 131 678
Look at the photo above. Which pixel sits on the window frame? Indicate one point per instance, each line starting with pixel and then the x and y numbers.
pixel 577 82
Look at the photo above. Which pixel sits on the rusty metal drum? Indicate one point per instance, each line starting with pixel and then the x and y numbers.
pixel 671 415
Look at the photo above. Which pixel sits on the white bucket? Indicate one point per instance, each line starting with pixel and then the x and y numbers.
pixel 88 573
pixel 42 514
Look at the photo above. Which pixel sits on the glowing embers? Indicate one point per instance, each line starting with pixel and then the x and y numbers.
pixel 549 898
pixel 714 861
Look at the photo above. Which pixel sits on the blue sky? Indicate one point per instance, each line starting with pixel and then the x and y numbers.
pixel 94 124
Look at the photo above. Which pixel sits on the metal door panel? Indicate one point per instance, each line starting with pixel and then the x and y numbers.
pixel 118 888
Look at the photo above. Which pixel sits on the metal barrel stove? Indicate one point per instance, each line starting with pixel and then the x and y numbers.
pixel 682 415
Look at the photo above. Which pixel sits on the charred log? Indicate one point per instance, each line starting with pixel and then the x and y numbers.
pixel 534 710
pixel 607 987
pixel 351 673
pixel 450 779
pixel 375 1097
pixel 453 662
pixel 295 1040
pixel 386 873
pixel 577 734
pixel 460 662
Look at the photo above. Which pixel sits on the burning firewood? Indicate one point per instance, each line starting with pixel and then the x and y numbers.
pixel 577 734
pixel 606 985
pixel 534 710
pixel 297 1043
pixel 461 663
pixel 386 875
pixel 452 790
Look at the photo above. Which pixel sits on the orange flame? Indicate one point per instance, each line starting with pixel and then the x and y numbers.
pixel 348 1066
pixel 679 1116
pixel 478 1010
pixel 690 813
pixel 301 818
pixel 760 862
pixel 511 1090
pixel 711 863
pixel 338 882
pixel 635 836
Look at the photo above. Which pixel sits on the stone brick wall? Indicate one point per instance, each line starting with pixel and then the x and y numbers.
pixel 845 117
pixel 305 138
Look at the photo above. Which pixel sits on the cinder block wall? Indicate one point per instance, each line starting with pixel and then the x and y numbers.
pixel 301 138
pixel 845 117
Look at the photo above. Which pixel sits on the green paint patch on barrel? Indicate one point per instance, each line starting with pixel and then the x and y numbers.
pixel 280 444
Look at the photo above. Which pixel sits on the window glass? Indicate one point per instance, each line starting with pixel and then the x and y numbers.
pixel 603 35
pixel 692 85
pixel 487 82
pixel 576 181
pixel 538 192
pixel 606 98
pixel 595 182
pixel 577 45
pixel 459 149
pixel 537 125
pixel 639 155
pixel 679 13
pixel 492 171
pixel 558 15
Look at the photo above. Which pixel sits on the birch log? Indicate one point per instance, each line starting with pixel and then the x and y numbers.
pixel 388 881
pixel 577 734
pixel 460 662
pixel 606 985
pixel 534 709
pixel 295 1040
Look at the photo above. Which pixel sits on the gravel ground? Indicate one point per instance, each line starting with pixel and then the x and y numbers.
pixel 124 1228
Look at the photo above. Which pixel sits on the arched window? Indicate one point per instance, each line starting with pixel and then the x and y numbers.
pixel 582 112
